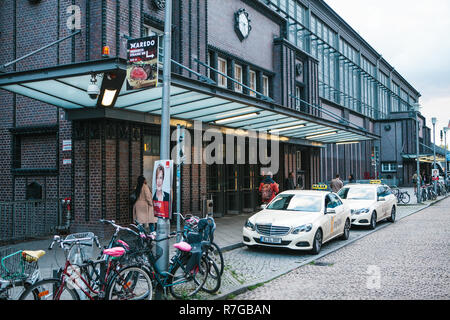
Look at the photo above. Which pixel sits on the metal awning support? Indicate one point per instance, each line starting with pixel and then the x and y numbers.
pixel 3 67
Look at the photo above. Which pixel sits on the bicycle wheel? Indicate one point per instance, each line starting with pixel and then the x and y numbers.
pixel 184 284
pixel 130 283
pixel 213 281
pixel 405 198
pixel 49 289
pixel 215 254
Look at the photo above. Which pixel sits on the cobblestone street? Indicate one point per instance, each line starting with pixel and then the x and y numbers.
pixel 407 260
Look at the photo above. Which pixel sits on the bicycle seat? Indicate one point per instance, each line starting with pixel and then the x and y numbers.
pixel 32 256
pixel 114 252
pixel 183 246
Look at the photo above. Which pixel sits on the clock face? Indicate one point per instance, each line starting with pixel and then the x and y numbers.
pixel 242 24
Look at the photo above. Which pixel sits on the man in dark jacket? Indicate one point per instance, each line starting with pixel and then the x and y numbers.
pixel 289 183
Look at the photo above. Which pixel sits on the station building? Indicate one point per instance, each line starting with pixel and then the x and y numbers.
pixel 293 67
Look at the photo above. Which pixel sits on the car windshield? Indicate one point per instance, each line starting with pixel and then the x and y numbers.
pixel 359 193
pixel 297 202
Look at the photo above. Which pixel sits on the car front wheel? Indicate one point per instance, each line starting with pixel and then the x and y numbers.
pixel 317 242
pixel 373 221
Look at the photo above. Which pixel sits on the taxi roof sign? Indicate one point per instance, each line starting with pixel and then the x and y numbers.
pixel 375 181
pixel 319 187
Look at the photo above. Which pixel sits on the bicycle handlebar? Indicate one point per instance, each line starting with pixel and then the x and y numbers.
pixel 63 242
pixel 116 226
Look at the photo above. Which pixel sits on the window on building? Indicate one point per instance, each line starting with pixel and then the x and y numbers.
pixel 222 66
pixel 298 96
pixel 383 96
pixel 404 100
pixel 265 86
pixel 151 145
pixel 252 83
pixel 389 167
pixel 150 31
pixel 238 77
pixel 395 101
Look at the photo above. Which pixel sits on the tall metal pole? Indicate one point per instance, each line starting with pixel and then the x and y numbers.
pixel 419 200
pixel 445 144
pixel 433 120
pixel 180 155
pixel 163 225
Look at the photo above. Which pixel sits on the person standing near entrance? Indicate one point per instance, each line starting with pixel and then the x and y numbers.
pixel 268 188
pixel 289 183
pixel 351 178
pixel 143 208
pixel 336 184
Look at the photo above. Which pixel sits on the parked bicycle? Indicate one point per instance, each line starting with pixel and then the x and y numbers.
pixel 402 196
pixel 19 270
pixel 187 272
pixel 201 231
pixel 440 188
pixel 94 280
pixel 191 224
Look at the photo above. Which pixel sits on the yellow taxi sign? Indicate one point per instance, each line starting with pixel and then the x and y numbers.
pixel 319 187
pixel 375 181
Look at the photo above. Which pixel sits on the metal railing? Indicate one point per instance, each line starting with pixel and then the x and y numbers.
pixel 20 220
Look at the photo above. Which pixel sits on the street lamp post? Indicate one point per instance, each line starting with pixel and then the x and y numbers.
pixel 163 225
pixel 433 121
pixel 445 144
pixel 416 110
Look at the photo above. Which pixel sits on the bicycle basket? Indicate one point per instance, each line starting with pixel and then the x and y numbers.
pixel 13 265
pixel 83 250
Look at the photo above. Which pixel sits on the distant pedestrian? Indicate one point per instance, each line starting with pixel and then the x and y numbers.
pixel 299 180
pixel 414 181
pixel 336 184
pixel 143 208
pixel 351 178
pixel 268 188
pixel 289 183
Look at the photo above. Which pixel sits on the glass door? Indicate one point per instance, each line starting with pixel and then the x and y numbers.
pixel 232 197
pixel 246 174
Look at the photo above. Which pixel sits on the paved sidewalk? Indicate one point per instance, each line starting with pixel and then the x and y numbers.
pixel 243 267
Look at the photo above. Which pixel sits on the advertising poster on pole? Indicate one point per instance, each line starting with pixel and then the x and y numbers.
pixel 435 174
pixel 142 67
pixel 162 188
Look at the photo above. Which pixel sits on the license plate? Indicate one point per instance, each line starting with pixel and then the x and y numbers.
pixel 271 240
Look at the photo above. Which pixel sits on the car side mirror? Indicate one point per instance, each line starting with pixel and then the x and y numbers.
pixel 381 199
pixel 330 211
pixel 263 206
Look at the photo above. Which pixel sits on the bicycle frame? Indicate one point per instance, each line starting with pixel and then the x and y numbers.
pixel 87 283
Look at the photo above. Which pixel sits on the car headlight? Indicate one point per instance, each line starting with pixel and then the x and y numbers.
pixel 304 228
pixel 250 225
pixel 359 211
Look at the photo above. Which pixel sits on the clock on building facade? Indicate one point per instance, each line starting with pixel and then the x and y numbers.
pixel 242 24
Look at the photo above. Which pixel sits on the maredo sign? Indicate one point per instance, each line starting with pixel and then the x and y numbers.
pixel 142 66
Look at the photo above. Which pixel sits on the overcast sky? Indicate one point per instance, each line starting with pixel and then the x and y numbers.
pixel 413 36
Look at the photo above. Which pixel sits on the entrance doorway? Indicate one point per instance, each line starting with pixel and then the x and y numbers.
pixel 150 154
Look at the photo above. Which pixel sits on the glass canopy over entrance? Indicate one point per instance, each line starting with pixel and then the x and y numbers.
pixel 67 87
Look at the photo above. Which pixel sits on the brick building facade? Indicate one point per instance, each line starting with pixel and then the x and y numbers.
pixel 107 153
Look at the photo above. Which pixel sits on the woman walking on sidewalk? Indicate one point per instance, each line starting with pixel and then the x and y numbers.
pixel 143 208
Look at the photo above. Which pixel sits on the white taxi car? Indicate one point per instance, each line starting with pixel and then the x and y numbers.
pixel 369 203
pixel 299 220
